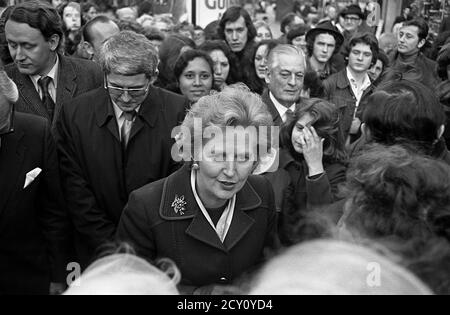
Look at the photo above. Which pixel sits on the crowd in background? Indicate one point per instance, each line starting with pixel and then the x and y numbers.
pixel 363 173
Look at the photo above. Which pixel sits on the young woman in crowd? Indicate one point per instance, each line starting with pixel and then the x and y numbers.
pixel 263 31
pixel 194 73
pixel 171 48
pixel 71 15
pixel 312 165
pixel 257 82
pixel 224 63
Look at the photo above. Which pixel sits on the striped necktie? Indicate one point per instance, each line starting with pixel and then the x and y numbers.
pixel 125 131
pixel 46 97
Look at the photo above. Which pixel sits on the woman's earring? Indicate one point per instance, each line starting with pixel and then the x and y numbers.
pixel 195 166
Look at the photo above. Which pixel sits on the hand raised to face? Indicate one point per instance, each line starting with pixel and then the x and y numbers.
pixel 312 150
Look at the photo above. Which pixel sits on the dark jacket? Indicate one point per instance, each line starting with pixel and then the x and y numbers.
pixel 75 77
pixel 277 121
pixel 420 69
pixel 33 221
pixel 339 92
pixel 98 177
pixel 298 194
pixel 152 226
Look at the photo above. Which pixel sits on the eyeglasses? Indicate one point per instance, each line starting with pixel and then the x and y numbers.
pixel 351 19
pixel 134 93
pixel 8 127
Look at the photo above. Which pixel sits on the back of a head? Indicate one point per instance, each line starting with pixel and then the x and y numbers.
pixel 87 28
pixel 123 274
pixel 394 192
pixel 404 111
pixel 335 268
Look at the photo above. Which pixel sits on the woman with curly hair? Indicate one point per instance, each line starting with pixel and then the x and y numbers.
pixel 312 164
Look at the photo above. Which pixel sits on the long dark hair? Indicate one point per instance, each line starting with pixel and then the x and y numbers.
pixel 327 124
pixel 211 45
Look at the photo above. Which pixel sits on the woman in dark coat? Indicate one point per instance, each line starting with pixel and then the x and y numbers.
pixel 312 165
pixel 211 217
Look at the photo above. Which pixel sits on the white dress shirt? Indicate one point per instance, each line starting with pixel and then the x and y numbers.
pixel 53 84
pixel 282 110
pixel 358 89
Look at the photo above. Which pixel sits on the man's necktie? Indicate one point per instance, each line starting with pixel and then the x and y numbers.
pixel 289 115
pixel 46 97
pixel 125 131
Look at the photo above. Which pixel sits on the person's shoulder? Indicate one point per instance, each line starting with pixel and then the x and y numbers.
pixel 11 70
pixel 80 64
pixel 260 184
pixel 31 125
pixel 23 119
pixel 150 193
pixel 168 96
pixel 86 102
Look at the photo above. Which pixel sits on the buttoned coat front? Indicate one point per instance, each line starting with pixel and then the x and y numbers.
pixel 152 225
pixel 97 175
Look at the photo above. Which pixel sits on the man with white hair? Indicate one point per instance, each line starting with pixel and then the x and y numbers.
pixel 33 221
pixel 285 77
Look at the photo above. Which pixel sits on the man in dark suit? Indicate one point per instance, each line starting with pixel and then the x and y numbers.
pixel 116 139
pixel 45 78
pixel 285 76
pixel 33 221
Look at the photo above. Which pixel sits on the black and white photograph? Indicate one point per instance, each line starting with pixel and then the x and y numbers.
pixel 224 154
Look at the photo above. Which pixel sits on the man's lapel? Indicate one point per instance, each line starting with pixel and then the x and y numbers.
pixel 148 113
pixel 12 154
pixel 277 121
pixel 32 102
pixel 66 86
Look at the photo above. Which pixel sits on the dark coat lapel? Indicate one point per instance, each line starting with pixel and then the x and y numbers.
pixel 178 186
pixel 66 83
pixel 272 109
pixel 104 114
pixel 148 113
pixel 31 98
pixel 12 154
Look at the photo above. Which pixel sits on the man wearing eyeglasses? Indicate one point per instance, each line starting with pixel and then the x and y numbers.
pixel 33 221
pixel 116 139
pixel 350 21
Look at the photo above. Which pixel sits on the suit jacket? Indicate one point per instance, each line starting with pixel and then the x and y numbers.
pixel 277 121
pixel 33 221
pixel 75 77
pixel 98 176
pixel 339 92
pixel 152 226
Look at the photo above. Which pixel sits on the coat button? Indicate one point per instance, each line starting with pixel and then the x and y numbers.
pixel 223 280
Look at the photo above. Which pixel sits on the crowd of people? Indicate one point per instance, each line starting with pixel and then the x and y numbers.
pixel 166 158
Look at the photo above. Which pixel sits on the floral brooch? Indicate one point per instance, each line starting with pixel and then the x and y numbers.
pixel 179 205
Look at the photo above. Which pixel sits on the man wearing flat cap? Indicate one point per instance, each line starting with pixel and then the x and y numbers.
pixel 323 44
